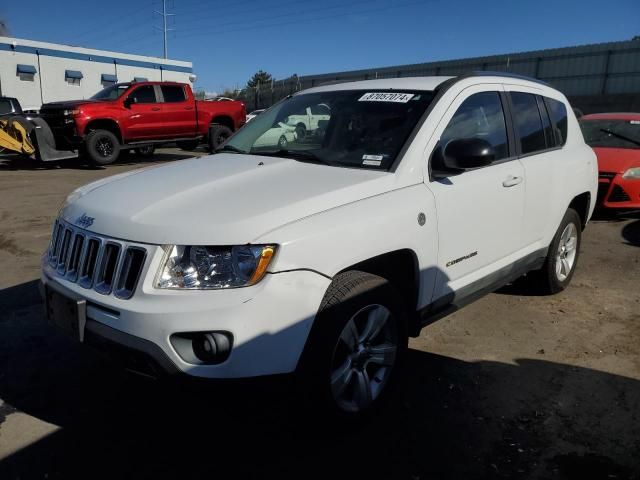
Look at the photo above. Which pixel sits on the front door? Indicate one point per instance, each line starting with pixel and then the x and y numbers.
pixel 480 211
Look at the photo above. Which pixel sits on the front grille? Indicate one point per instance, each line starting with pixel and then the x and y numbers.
pixel 618 195
pixel 105 265
pixel 607 175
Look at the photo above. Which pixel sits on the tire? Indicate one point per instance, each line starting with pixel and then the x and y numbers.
pixel 188 145
pixel 218 134
pixel 283 143
pixel 347 370
pixel 102 147
pixel 562 257
pixel 145 152
pixel 301 132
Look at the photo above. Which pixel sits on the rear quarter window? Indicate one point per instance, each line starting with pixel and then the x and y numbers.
pixel 558 114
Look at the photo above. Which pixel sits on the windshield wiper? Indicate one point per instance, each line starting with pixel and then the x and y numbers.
pixel 300 155
pixel 229 148
pixel 623 137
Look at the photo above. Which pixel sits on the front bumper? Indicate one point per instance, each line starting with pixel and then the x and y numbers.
pixel 616 192
pixel 269 321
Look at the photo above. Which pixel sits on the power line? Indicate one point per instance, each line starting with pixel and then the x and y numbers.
pixel 324 8
pixel 299 21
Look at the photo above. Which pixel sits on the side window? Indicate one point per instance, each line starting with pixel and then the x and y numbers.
pixel 480 116
pixel 320 110
pixel 558 113
pixel 528 123
pixel 144 94
pixel 5 106
pixel 173 93
pixel 546 123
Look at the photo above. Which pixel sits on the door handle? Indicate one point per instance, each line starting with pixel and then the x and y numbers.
pixel 512 181
pixel 188 108
pixel 155 109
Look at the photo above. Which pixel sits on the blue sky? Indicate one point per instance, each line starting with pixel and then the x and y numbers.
pixel 229 40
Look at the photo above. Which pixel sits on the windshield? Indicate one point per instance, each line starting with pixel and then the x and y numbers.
pixel 112 92
pixel 611 133
pixel 346 128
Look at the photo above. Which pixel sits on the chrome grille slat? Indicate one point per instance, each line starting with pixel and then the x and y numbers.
pixel 105 265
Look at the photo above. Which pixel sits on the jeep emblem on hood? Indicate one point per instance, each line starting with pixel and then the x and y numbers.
pixel 84 221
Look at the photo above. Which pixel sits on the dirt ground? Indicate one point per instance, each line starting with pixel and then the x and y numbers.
pixel 513 386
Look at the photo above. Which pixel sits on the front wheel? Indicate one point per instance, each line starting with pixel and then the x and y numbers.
pixel 562 256
pixel 102 147
pixel 218 134
pixel 356 345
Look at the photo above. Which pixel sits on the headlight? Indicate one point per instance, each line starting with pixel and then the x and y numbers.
pixel 210 268
pixel 632 173
pixel 73 112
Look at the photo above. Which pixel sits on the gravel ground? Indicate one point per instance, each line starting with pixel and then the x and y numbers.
pixel 513 386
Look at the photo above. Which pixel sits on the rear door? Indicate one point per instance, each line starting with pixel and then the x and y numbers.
pixel 479 211
pixel 540 154
pixel 145 121
pixel 179 112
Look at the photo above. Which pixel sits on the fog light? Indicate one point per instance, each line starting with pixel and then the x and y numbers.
pixel 203 348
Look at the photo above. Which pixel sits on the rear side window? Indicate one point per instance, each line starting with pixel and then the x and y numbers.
pixel 173 93
pixel 480 116
pixel 546 123
pixel 145 94
pixel 5 106
pixel 558 114
pixel 527 122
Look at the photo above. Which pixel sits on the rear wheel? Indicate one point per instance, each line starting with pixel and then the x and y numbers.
pixel 145 152
pixel 562 256
pixel 102 147
pixel 218 134
pixel 188 144
pixel 301 132
pixel 356 345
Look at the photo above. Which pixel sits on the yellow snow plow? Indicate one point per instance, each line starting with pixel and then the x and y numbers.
pixel 27 135
pixel 14 135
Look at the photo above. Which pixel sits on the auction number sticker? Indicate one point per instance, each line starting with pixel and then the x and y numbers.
pixel 386 97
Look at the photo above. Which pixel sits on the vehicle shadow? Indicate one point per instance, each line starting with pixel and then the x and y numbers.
pixel 631 233
pixel 450 419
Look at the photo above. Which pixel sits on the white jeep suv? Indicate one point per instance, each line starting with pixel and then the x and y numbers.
pixel 321 258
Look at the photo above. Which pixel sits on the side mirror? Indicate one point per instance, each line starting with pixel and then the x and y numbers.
pixel 129 101
pixel 466 154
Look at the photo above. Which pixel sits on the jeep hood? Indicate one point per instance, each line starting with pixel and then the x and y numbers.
pixel 223 199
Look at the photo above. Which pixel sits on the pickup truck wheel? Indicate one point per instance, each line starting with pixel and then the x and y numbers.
pixel 145 152
pixel 356 345
pixel 218 134
pixel 562 257
pixel 102 147
pixel 301 132
pixel 188 145
pixel 283 143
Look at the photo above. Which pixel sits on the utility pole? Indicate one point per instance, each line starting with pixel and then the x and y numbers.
pixel 164 28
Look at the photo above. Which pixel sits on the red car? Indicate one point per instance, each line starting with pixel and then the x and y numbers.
pixel 615 137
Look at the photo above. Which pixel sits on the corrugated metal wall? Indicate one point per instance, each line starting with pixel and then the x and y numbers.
pixel 583 73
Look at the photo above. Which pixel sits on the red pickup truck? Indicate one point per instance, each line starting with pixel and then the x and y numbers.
pixel 139 116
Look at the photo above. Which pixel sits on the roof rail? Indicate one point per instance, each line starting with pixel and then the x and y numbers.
pixel 489 73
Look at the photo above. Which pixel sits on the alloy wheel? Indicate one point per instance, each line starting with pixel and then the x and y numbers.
pixel 363 358
pixel 567 251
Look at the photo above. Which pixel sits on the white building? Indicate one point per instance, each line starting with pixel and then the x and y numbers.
pixel 40 72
